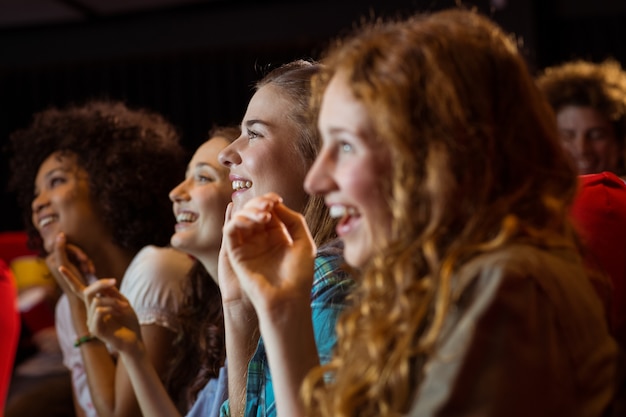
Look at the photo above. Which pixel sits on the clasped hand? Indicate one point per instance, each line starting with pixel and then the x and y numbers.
pixel 269 248
pixel 109 314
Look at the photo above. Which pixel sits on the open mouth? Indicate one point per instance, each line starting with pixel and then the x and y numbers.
pixel 338 211
pixel 186 217
pixel 44 221
pixel 241 185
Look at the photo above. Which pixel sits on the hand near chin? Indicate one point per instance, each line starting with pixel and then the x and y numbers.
pixel 227 279
pixel 73 259
pixel 271 251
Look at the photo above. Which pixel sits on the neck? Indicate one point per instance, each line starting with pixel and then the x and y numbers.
pixel 210 262
pixel 110 261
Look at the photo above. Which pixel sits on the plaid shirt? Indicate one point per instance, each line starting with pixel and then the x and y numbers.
pixel 331 285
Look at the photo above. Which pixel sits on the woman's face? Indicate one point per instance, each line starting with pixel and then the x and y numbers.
pixel 350 171
pixel 62 203
pixel 589 137
pixel 200 201
pixel 265 157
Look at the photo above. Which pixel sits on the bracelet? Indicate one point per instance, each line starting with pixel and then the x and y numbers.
pixel 84 339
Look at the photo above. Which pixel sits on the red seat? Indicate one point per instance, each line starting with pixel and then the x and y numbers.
pixel 13 245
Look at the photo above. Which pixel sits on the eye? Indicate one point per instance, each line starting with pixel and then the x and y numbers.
pixel 345 147
pixel 598 134
pixel 252 134
pixel 54 181
pixel 204 178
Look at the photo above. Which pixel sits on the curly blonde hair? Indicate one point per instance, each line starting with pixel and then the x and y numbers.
pixel 477 165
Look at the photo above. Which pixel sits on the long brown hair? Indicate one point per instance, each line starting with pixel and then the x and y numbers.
pixel 477 165
pixel 294 81
pixel 200 344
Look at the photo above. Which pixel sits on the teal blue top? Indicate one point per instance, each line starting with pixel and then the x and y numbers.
pixel 331 285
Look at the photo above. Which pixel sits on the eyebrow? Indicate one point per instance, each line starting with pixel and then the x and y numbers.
pixel 54 170
pixel 252 122
pixel 202 165
pixel 50 173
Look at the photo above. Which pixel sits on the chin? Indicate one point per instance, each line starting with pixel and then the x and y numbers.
pixel 356 258
pixel 48 246
pixel 177 242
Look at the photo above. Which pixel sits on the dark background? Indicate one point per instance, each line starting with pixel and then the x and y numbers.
pixel 195 61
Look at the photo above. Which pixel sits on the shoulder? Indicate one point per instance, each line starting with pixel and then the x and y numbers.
pixel 154 263
pixel 160 257
pixel 158 271
pixel 524 262
pixel 523 282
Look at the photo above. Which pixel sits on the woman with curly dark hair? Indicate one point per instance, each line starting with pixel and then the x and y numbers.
pixel 199 205
pixel 92 181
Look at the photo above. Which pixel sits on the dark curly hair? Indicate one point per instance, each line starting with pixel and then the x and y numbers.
pixel 200 345
pixel 133 159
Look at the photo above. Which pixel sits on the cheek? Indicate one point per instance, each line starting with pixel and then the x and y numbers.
pixel 612 147
pixel 367 190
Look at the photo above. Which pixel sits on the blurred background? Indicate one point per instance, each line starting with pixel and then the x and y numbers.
pixel 195 61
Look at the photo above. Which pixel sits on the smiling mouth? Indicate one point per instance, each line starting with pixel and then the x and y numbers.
pixel 186 217
pixel 241 185
pixel 338 211
pixel 43 222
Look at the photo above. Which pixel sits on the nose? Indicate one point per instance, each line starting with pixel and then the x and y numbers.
pixel 229 156
pixel 319 180
pixel 179 193
pixel 580 145
pixel 39 202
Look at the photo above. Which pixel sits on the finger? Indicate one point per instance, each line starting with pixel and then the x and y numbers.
pixel 236 231
pixel 81 258
pixel 295 223
pixel 59 250
pixel 264 202
pixel 75 284
pixel 251 215
pixel 104 301
pixel 229 212
pixel 227 217
pixel 106 286
pixel 98 318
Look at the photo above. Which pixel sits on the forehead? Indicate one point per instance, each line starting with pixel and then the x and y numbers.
pixel 208 152
pixel 341 110
pixel 581 117
pixel 267 104
pixel 58 160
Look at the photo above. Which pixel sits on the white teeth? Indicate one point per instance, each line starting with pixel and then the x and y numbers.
pixel 338 211
pixel 240 184
pixel 46 221
pixel 186 217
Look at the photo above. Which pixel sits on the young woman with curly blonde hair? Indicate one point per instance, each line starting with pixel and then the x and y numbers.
pixel 442 162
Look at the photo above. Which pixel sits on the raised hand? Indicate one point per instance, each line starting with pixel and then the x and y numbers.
pixel 110 316
pixel 227 280
pixel 270 249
